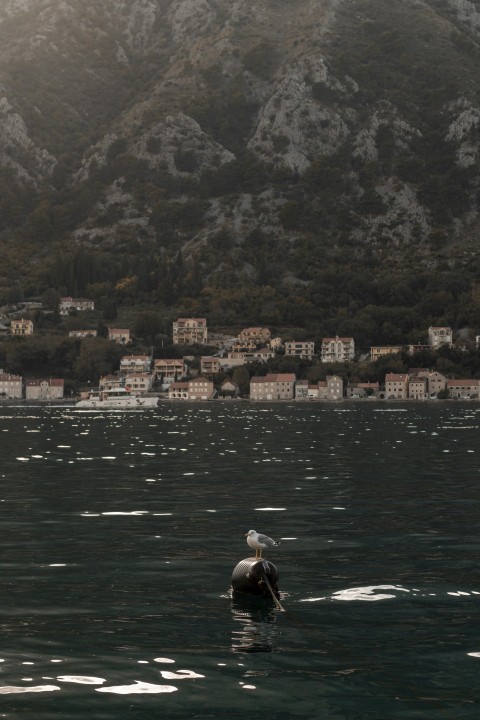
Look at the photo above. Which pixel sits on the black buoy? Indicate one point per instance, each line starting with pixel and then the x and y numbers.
pixel 255 575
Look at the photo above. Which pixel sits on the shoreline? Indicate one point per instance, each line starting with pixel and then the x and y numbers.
pixel 71 403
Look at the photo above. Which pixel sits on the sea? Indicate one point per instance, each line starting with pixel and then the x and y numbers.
pixel 120 531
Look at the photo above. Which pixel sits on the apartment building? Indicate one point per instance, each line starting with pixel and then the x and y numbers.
pixel 436 382
pixel 169 370
pixel 210 365
pixel 337 349
pixel 417 387
pixel 304 350
pixel 279 386
pixel 256 335
pixel 331 388
pixel 200 388
pixel 396 386
pixel 190 331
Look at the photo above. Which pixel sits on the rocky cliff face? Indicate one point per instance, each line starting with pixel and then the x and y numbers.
pixel 17 151
pixel 356 120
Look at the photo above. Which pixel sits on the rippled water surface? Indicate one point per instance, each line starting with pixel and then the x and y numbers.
pixel 120 531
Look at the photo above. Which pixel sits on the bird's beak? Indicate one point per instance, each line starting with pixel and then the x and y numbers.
pixel 246 534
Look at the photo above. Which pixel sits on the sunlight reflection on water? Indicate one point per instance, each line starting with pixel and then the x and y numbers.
pixel 138 688
pixel 380 517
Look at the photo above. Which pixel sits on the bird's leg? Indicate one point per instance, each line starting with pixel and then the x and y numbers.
pixel 258 553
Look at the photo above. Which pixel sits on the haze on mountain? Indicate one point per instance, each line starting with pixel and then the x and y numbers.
pixel 307 163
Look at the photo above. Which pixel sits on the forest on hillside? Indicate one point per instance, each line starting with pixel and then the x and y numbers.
pixel 323 178
pixel 339 298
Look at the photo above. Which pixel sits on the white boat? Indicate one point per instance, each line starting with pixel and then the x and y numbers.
pixel 117 399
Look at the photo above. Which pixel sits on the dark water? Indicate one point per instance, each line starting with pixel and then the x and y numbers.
pixel 120 531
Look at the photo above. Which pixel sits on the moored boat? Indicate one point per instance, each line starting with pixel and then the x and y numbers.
pixel 117 399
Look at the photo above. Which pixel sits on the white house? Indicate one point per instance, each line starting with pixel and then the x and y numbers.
pixel 139 383
pixel 135 363
pixel 69 304
pixel 44 389
pixel 337 349
pixel 438 336
pixel 82 333
pixel 11 386
pixel 119 335
pixel 21 327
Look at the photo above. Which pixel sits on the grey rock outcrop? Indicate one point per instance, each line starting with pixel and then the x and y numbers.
pixel 17 150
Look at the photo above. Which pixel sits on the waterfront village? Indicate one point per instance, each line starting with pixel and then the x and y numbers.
pixel 207 376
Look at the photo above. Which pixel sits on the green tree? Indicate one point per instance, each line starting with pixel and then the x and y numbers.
pixel 147 326
pixel 97 357
pixel 50 299
pixel 241 377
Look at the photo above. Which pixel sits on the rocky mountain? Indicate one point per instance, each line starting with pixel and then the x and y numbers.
pixel 199 153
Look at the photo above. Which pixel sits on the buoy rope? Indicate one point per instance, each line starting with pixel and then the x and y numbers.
pixel 275 599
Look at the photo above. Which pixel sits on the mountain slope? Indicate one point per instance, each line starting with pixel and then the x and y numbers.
pixel 274 146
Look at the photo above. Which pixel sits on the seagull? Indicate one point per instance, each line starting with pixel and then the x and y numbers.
pixel 258 542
